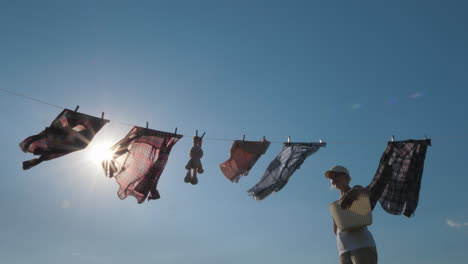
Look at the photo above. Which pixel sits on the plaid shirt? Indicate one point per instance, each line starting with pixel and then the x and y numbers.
pixel 70 131
pixel 138 162
pixel 281 168
pixel 397 182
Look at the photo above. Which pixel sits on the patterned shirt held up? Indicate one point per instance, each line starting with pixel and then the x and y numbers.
pixel 397 182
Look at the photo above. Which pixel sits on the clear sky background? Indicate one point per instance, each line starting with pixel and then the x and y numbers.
pixel 350 72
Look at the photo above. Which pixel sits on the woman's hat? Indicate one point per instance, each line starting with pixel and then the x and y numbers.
pixel 336 168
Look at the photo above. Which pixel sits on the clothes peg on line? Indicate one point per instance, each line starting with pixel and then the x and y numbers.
pixel 393 138
pixel 146 124
pixel 324 144
pixel 289 139
pixel 102 115
pixel 77 107
pixel 243 138
pixel 175 132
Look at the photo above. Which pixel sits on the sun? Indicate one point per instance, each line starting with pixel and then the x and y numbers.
pixel 100 151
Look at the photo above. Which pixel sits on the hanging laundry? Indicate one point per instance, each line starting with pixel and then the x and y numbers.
pixel 70 131
pixel 194 165
pixel 138 162
pixel 244 155
pixel 397 182
pixel 282 168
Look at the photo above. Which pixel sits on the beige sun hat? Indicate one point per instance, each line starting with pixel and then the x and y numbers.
pixel 336 168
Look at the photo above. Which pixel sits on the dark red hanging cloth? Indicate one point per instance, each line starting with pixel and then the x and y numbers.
pixel 70 131
pixel 138 162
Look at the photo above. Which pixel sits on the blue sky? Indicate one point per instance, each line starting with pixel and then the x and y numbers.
pixel 350 73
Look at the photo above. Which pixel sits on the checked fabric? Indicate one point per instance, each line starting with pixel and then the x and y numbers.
pixel 397 182
pixel 282 168
pixel 138 162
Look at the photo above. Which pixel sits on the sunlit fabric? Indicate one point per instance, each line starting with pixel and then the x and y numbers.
pixel 282 168
pixel 244 155
pixel 397 182
pixel 138 162
pixel 70 131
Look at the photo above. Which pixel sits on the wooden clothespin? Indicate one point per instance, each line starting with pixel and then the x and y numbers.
pixel 428 141
pixel 323 143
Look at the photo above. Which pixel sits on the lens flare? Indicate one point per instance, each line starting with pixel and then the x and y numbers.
pixel 392 100
pixel 417 95
pixel 356 106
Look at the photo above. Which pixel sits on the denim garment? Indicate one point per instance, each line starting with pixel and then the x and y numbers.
pixel 282 168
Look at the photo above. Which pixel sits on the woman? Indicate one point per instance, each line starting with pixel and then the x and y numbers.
pixel 357 246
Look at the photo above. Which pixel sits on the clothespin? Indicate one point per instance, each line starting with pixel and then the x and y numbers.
pixel 243 138
pixel 427 140
pixel 102 115
pixel 393 138
pixel 76 109
pixel 289 139
pixel 203 134
pixel 263 139
pixel 323 143
pixel 146 124
pixel 175 132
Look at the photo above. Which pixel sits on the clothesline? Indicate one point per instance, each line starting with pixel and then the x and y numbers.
pixel 208 139
pixel 137 161
pixel 30 98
